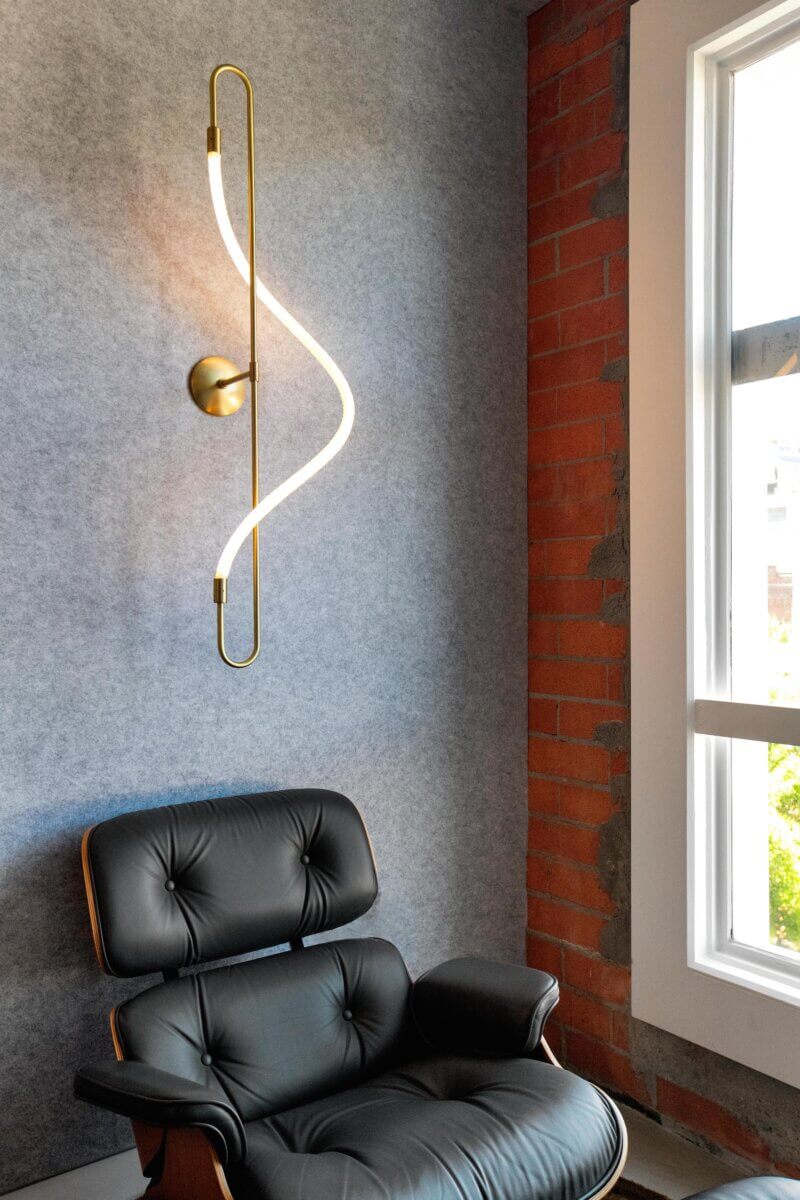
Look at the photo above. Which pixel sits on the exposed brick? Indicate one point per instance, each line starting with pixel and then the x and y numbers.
pixel 581 885
pixel 582 480
pixel 543 335
pixel 541 259
pixel 542 484
pixel 567 289
pixel 573 518
pixel 570 556
pixel 711 1119
pixel 564 921
pixel 589 161
pixel 543 795
pixel 618 273
pixel 620 1030
pixel 594 806
pixel 542 25
pixel 593 241
pixel 612 513
pixel 565 596
pixel 584 1014
pixel 616 683
pixel 543 954
pixel 542 637
pixel 614 27
pixel 592 639
pixel 542 408
pixel 561 212
pixel 605 109
pixel 594 11
pixel 566 443
pixel 597 977
pixel 548 141
pixel 588 400
pixel 605 1065
pixel 537 873
pixel 542 715
pixel 593 320
pixel 537 560
pixel 555 677
pixel 567 366
pixel 578 283
pixel 585 80
pixel 568 760
pixel 616 438
pixel 543 103
pixel 570 842
pixel 557 56
pixel 576 720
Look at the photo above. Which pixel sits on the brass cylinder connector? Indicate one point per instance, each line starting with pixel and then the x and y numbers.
pixel 220 590
pixel 214 139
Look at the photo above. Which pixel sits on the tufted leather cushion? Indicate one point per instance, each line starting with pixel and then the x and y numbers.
pixel 190 883
pixel 446 1128
pixel 279 1031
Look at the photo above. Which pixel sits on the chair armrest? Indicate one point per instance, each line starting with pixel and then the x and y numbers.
pixel 156 1097
pixel 476 1006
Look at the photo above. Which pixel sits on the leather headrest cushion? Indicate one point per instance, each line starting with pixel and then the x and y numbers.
pixel 190 883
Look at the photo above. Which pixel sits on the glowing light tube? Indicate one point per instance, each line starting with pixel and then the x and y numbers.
pixel 285 489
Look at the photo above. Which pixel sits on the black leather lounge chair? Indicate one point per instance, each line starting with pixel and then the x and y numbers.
pixel 320 1073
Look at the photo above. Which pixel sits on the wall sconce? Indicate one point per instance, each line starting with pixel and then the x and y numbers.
pixel 219 387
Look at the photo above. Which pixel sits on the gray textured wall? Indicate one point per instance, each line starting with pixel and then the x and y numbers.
pixel 391 212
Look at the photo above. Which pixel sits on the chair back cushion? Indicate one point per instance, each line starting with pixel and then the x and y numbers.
pixel 275 1032
pixel 190 883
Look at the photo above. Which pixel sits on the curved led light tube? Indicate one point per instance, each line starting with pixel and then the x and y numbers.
pixel 301 476
pixel 219 392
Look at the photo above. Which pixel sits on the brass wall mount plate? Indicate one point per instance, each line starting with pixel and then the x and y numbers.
pixel 204 386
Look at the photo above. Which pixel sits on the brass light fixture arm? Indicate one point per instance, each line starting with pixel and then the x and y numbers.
pixel 214 145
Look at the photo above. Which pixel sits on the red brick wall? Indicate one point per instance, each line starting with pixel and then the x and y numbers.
pixel 579 850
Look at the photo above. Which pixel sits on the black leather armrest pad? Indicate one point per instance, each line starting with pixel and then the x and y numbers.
pixel 474 1005
pixel 144 1093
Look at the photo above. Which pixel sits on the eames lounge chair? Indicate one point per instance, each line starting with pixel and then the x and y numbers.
pixel 322 1072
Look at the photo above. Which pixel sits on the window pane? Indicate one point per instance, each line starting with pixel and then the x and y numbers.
pixel 765 809
pixel 765 411
pixel 765 542
pixel 766 185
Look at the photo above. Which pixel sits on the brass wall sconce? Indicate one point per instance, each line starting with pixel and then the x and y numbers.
pixel 219 387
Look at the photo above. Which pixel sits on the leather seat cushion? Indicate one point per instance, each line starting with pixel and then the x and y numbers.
pixel 444 1128
pixel 762 1187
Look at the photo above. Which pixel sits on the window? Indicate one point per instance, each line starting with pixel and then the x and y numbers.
pixel 715 526
pixel 746 471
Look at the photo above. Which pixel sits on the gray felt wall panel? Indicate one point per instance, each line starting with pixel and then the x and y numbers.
pixel 391 215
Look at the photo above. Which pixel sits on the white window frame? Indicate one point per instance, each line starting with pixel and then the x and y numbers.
pixel 711 64
pixel 687 977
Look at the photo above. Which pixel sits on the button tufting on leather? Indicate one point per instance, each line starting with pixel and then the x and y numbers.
pixel 206 1059
pixel 305 860
pixel 348 1016
pixel 170 885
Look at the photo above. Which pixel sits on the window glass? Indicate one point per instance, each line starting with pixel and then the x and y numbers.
pixel 765 806
pixel 766 185
pixel 765 404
